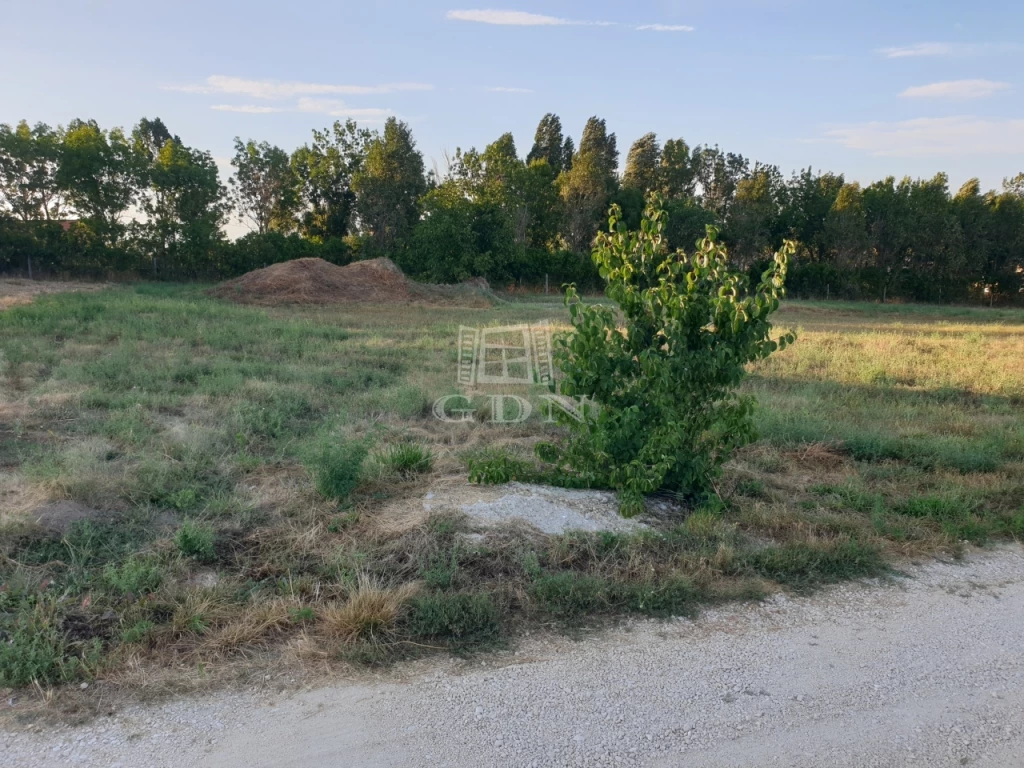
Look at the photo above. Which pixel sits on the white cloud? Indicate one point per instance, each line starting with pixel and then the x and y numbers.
pixel 956 89
pixel 918 49
pixel 252 109
pixel 336 108
pixel 276 89
pixel 331 107
pixel 665 28
pixel 519 19
pixel 504 89
pixel 932 136
pixel 946 49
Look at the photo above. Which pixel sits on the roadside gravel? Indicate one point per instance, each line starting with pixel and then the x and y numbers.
pixel 928 672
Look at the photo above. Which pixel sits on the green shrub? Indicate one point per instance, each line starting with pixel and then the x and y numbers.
pixel 137 632
pixel 274 415
pixel 195 540
pixel 36 649
pixel 439 569
pixel 337 468
pixel 136 575
pixel 407 459
pixel 804 565
pixel 570 594
pixel 461 617
pixel 671 597
pixel 669 415
pixel 496 466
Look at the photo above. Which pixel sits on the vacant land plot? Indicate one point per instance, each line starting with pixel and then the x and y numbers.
pixel 187 481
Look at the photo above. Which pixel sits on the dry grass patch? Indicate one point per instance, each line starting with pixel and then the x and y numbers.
pixel 369 614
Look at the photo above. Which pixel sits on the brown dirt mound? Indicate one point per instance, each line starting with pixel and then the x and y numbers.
pixel 315 281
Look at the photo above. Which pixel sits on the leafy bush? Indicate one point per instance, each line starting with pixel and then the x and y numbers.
pixel 195 540
pixel 668 414
pixel 496 466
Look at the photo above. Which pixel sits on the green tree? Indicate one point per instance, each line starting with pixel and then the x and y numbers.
pixel 974 215
pixel 845 232
pixel 457 238
pixel 150 136
pixel 687 223
pixel 807 200
pixel 643 165
pixel 186 207
pixel 29 163
pixel 548 143
pixel 264 189
pixel 887 213
pixel 677 173
pixel 1003 273
pixel 324 170
pixel 668 413
pixel 602 148
pixel 584 193
pixel 388 186
pixel 101 174
pixel 717 173
pixel 1014 185
pixel 568 152
pixel 752 225
pixel 936 257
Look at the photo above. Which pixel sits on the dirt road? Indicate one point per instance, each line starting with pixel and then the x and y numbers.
pixel 927 672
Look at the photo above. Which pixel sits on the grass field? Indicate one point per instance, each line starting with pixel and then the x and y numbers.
pixel 209 477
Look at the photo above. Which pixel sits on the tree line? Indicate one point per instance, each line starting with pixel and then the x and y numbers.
pixel 83 200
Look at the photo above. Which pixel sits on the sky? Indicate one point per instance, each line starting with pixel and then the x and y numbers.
pixel 868 88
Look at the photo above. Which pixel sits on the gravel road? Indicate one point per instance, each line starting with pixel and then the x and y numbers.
pixel 929 672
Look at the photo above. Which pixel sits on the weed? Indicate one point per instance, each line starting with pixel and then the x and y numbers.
pixel 137 632
pixel 465 619
pixel 337 468
pixel 196 541
pixel 407 459
pixel 804 565
pixel 438 570
pixel 38 650
pixel 496 467
pixel 134 576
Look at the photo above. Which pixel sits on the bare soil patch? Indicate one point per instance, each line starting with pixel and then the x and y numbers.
pixel 17 290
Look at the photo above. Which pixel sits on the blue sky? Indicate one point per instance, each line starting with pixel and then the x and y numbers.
pixel 864 88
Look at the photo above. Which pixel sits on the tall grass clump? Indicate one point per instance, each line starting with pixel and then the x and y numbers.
pixel 337 467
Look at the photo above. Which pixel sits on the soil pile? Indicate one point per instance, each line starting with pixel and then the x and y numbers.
pixel 315 281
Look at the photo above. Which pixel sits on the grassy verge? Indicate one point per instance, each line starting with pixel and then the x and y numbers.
pixel 187 481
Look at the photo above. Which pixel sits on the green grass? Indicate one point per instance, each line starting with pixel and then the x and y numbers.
pixel 407 459
pixel 233 464
pixel 196 541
